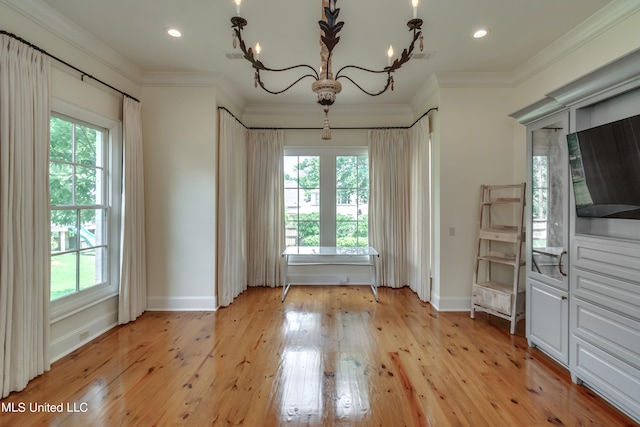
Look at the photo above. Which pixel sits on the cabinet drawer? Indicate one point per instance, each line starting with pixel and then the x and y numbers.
pixel 619 295
pixel 617 259
pixel 617 381
pixel 615 333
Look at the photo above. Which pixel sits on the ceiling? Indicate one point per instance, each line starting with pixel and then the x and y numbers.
pixel 288 33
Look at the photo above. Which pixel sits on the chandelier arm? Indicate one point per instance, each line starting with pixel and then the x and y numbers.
pixel 397 63
pixel 259 80
pixel 389 81
pixel 357 67
pixel 257 64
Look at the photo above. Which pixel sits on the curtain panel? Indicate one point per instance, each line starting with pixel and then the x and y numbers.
pixel 133 274
pixel 265 207
pixel 25 267
pixel 389 208
pixel 420 205
pixel 399 206
pixel 232 208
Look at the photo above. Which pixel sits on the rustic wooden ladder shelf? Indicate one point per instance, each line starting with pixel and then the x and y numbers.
pixel 500 238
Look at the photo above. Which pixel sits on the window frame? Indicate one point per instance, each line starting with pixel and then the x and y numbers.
pixel 73 303
pixel 328 187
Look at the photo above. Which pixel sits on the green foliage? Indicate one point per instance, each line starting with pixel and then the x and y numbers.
pixel 73 170
pixel 306 174
pixel 352 174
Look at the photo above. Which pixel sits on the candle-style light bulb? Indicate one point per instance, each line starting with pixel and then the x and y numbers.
pixel 258 50
pixel 238 7
pixel 415 8
pixel 389 55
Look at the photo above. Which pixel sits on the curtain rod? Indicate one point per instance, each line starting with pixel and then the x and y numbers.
pixel 83 74
pixel 338 128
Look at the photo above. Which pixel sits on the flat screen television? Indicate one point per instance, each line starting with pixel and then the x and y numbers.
pixel 605 169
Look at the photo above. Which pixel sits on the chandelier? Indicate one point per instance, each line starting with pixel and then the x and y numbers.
pixel 326 84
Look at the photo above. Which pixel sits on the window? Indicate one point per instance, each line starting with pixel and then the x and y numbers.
pixel 84 230
pixel 352 200
pixel 326 197
pixel 540 191
pixel 302 200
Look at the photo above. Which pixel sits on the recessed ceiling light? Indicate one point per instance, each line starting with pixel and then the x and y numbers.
pixel 482 32
pixel 173 32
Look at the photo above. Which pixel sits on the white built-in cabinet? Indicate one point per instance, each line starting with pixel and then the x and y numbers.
pixel 582 274
pixel 547 281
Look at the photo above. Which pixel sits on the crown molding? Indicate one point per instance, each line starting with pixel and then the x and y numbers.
pixel 51 20
pixel 474 79
pixel 187 79
pixel 612 14
pixel 195 79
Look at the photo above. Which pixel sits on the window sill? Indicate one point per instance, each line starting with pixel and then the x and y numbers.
pixel 73 304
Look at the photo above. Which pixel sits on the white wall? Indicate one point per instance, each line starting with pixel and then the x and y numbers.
pixel 180 160
pixel 474 147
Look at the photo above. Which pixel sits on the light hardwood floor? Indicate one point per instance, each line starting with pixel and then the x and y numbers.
pixel 327 356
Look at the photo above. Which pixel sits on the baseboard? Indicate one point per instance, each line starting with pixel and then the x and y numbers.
pixel 82 335
pixel 451 303
pixel 181 304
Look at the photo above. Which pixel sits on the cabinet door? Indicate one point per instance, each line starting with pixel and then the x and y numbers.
pixel 548 202
pixel 548 320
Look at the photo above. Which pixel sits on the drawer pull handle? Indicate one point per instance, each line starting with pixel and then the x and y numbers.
pixel 560 263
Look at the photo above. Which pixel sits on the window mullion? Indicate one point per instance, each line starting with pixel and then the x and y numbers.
pixel 328 199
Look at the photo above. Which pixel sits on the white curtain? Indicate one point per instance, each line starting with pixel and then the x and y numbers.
pixel 265 207
pixel 419 235
pixel 399 206
pixel 389 208
pixel 232 192
pixel 24 214
pixel 133 273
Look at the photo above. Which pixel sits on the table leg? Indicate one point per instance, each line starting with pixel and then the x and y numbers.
pixel 285 285
pixel 374 282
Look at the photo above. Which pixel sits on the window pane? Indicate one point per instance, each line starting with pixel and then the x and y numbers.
pixel 61 140
pixel 309 172
pixel 92 267
pixel 79 237
pixel 88 146
pixel 86 186
pixel 61 184
pixel 302 200
pixel 352 196
pixel 363 234
pixel 346 171
pixel 63 228
pixel 309 227
pixel 93 228
pixel 363 172
pixel 63 275
pixel 363 204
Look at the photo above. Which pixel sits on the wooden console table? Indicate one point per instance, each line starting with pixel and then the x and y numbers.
pixel 330 255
